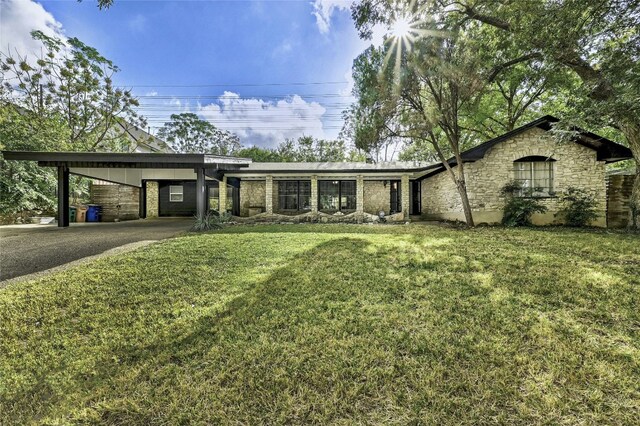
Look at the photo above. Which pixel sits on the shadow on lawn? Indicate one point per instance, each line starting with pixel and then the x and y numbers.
pixel 358 332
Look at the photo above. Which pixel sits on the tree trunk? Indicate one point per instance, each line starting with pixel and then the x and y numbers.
pixel 631 130
pixel 466 206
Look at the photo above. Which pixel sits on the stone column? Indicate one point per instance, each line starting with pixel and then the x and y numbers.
pixel 152 199
pixel 405 196
pixel 268 202
pixel 359 198
pixel 314 194
pixel 222 194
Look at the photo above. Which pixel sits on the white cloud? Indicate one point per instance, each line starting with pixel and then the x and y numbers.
pixel 324 9
pixel 137 24
pixel 17 19
pixel 283 48
pixel 265 123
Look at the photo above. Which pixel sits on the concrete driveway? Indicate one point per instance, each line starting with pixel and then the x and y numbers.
pixel 26 249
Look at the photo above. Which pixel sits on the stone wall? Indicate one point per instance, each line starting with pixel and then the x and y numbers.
pixel 575 166
pixel 152 199
pixel 109 196
pixel 377 197
pixel 252 194
pixel 619 189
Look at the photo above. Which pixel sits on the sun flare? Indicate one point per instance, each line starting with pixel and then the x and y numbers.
pixel 401 28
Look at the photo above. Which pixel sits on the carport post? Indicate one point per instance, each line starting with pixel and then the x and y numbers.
pixel 201 192
pixel 63 196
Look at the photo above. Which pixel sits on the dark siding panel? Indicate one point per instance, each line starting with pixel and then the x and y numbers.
pixel 188 205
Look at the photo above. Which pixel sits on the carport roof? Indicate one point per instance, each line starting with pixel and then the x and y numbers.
pixel 129 160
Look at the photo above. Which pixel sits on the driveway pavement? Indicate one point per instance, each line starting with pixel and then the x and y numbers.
pixel 25 249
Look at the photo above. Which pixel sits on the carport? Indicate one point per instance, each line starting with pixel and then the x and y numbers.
pixel 131 169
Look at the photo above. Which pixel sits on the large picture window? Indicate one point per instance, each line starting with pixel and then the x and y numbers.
pixel 294 194
pixel 337 195
pixel 535 174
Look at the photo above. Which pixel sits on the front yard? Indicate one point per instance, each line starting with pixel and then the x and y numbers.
pixel 333 324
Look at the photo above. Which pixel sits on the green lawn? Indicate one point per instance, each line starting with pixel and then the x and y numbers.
pixel 339 324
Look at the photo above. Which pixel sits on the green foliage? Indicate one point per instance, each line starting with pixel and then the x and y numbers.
pixel 188 133
pixel 258 154
pixel 313 324
pixel 72 82
pixel 305 148
pixel 519 205
pixel 579 207
pixel 210 220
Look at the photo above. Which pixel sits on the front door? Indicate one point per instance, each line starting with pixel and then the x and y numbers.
pixel 415 200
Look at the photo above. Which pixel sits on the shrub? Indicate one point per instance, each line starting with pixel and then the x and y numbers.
pixel 579 207
pixel 210 220
pixel 519 204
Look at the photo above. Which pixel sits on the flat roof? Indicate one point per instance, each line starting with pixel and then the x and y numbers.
pixel 129 160
pixel 311 167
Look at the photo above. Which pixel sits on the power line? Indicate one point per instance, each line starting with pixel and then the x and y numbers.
pixel 313 83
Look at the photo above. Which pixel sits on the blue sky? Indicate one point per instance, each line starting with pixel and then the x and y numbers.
pixel 243 55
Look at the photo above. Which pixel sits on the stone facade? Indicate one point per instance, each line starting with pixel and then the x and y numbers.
pixel 575 166
pixel 152 201
pixel 619 189
pixel 110 196
pixel 252 197
pixel 377 197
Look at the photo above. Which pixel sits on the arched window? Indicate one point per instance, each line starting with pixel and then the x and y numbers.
pixel 536 175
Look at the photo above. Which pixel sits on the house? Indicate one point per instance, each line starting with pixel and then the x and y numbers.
pixel 183 184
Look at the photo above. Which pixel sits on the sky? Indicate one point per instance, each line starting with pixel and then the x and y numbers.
pixel 265 70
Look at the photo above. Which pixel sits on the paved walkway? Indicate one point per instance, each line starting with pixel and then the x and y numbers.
pixel 26 249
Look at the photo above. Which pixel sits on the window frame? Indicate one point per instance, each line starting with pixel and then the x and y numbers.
pixel 530 170
pixel 299 195
pixel 340 195
pixel 172 193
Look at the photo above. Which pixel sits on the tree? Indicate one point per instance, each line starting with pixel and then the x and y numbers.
pixel 73 82
pixel 369 123
pixel 262 155
pixel 187 133
pixel 423 93
pixel 307 148
pixel 25 187
pixel 62 101
pixel 596 40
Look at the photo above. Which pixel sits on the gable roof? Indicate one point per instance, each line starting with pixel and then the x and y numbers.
pixel 606 150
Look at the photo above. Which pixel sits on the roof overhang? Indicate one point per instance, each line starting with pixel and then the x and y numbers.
pixel 129 160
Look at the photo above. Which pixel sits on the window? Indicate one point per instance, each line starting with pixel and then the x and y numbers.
pixel 176 193
pixel 535 174
pixel 396 197
pixel 337 195
pixel 294 194
pixel 214 198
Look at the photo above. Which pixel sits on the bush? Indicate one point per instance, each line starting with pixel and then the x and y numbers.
pixel 210 220
pixel 519 204
pixel 579 207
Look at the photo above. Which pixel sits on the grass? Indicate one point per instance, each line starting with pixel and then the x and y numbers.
pixel 304 324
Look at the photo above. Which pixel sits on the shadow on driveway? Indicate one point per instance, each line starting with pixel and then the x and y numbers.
pixel 25 249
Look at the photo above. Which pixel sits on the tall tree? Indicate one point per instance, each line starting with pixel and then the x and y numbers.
pixel 188 133
pixel 74 82
pixel 597 40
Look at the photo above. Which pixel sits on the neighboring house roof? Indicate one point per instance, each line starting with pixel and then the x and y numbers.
pixel 144 141
pixel 607 150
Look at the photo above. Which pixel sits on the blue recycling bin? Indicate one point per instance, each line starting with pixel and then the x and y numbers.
pixel 94 213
